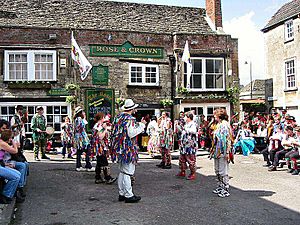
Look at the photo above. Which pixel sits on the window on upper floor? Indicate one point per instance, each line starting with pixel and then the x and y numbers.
pixel 289 30
pixel 207 74
pixel 290 74
pixel 143 74
pixel 30 65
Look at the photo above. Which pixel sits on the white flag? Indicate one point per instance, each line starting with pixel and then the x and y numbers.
pixel 80 59
pixel 186 57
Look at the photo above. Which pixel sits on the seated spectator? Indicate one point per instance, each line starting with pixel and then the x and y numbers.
pixel 11 175
pixel 244 140
pixel 287 146
pixel 293 155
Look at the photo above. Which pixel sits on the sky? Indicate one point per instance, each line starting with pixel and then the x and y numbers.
pixel 242 20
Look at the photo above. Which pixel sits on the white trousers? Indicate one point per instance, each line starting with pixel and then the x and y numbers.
pixel 124 181
pixel 221 170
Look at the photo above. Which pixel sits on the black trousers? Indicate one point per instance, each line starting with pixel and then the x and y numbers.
pixel 265 154
pixel 102 164
pixel 279 155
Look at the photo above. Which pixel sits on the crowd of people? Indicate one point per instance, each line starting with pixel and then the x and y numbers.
pixel 280 133
pixel 116 139
pixel 14 167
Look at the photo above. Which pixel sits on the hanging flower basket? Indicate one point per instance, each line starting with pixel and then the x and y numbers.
pixel 166 102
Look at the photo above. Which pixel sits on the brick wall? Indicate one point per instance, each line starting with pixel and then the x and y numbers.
pixel 214 11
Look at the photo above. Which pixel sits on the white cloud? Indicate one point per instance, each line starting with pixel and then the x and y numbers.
pixel 251 46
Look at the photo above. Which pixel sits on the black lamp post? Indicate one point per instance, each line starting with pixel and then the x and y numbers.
pixel 172 63
pixel 250 63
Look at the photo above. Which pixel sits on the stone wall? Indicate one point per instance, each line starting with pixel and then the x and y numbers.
pixel 277 52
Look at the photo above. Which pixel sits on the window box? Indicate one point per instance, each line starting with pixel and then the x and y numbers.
pixel 30 65
pixel 143 75
pixel 143 87
pixel 29 85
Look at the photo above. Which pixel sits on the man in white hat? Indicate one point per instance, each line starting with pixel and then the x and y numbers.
pixel 38 126
pixel 125 147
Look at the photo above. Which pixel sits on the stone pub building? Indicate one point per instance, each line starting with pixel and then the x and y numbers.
pixel 135 50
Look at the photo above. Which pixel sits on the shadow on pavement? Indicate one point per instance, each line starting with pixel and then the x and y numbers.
pixel 57 194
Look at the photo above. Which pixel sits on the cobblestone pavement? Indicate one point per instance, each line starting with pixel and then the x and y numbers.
pixel 57 195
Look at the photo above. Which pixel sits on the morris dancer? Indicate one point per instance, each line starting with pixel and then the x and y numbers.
pixel 188 147
pixel 178 127
pixel 221 151
pixel 81 141
pixel 166 140
pixel 152 131
pixel 100 144
pixel 67 137
pixel 125 147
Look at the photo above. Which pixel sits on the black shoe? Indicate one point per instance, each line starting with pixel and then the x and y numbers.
pixel 5 200
pixel 22 192
pixel 267 165
pixel 167 167
pixel 295 172
pixel 133 199
pixel 19 198
pixel 121 198
pixel 160 165
pixel 45 157
pixel 290 170
pixel 99 181
pixel 111 180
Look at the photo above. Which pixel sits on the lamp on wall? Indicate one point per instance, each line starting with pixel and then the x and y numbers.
pixel 149 39
pixel 109 37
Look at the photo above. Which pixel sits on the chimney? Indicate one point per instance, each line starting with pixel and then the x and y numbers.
pixel 214 12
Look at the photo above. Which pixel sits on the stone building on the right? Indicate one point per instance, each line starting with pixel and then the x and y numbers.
pixel 282 55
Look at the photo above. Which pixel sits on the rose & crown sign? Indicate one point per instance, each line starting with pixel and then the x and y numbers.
pixel 126 50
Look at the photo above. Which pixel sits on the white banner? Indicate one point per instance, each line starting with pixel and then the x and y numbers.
pixel 80 59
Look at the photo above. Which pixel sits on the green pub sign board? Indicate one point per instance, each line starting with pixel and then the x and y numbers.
pixel 100 75
pixel 126 50
pixel 99 100
pixel 58 92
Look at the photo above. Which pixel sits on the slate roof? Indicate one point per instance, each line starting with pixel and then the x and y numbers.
pixel 257 85
pixel 287 11
pixel 103 15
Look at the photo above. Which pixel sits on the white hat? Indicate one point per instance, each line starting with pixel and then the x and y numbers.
pixel 39 107
pixel 78 109
pixel 129 105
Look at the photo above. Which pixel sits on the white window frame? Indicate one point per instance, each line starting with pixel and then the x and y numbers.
pixel 144 74
pixel 292 74
pixel 205 106
pixel 289 30
pixel 34 104
pixel 204 75
pixel 30 64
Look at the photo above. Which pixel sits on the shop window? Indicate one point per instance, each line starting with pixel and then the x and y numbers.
pixel 30 65
pixel 207 74
pixel 290 74
pixel 143 74
pixel 54 115
pixel 289 30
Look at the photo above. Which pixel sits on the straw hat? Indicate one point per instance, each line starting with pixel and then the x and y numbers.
pixel 77 110
pixel 129 105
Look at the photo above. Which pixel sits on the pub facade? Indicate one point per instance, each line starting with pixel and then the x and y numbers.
pixel 135 50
